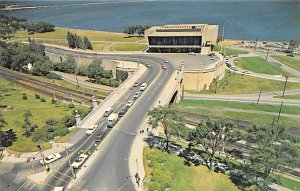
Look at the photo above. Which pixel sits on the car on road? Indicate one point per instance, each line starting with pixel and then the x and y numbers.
pixel 143 86
pixel 99 136
pixel 129 103
pixel 166 61
pixel 91 130
pixel 137 94
pixel 164 66
pixel 122 112
pixel 50 158
pixel 108 112
pixel 148 65
pixel 60 188
pixel 136 84
pixel 112 120
pixel 79 161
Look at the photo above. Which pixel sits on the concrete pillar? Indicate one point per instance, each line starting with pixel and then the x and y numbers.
pixel 78 120
pixel 94 101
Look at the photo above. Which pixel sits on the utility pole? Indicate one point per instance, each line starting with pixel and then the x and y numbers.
pixel 258 97
pixel 286 79
pixel 267 54
pixel 256 43
pixel 223 28
pixel 279 111
pixel 71 168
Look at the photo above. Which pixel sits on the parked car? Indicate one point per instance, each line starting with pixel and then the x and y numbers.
pixel 148 65
pixel 136 84
pixel 79 161
pixel 91 130
pixel 166 61
pixel 50 158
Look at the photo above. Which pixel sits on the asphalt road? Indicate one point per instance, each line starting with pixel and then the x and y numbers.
pixel 110 169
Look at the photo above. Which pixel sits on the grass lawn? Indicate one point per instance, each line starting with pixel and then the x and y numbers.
pixel 295 96
pixel 260 65
pixel 183 177
pixel 252 117
pixel 241 84
pixel 98 46
pixel 65 138
pixel 230 51
pixel 68 85
pixel 291 62
pixel 41 111
pixel 246 106
pixel 60 33
pixel 128 47
pixel 291 184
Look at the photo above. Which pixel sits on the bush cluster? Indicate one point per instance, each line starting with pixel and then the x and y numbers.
pixel 161 178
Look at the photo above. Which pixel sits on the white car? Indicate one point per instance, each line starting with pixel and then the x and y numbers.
pixel 137 94
pixel 143 86
pixel 50 158
pixel 79 161
pixel 129 103
pixel 58 189
pixel 91 129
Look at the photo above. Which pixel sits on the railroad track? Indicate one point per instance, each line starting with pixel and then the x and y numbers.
pixel 47 88
pixel 194 119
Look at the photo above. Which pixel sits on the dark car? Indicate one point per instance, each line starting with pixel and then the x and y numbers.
pixel 99 137
pixel 122 112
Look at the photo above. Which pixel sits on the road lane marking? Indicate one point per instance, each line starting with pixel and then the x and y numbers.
pixel 23 184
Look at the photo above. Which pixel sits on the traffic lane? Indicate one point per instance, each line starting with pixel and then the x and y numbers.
pixel 65 169
pixel 112 164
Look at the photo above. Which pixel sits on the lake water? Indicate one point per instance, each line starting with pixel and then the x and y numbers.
pixel 265 20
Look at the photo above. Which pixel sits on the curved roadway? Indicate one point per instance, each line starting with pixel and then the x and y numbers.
pixel 110 168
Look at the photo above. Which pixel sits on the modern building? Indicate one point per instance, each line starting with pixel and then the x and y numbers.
pixel 182 38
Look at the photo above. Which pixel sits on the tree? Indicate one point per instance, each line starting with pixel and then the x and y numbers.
pixel 71 40
pixel 272 148
pixel 168 118
pixel 212 134
pixel 27 124
pixel 6 137
pixel 87 43
pixel 294 44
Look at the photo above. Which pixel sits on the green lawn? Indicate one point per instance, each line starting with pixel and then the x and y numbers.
pixel 187 178
pixel 291 184
pixel 295 96
pixel 260 65
pixel 251 117
pixel 241 84
pixel 291 62
pixel 41 111
pixel 60 33
pixel 128 47
pixel 98 46
pixel 237 105
pixel 229 51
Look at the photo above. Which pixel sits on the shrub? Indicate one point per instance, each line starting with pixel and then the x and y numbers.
pixel 71 106
pixel 43 99
pixel 37 96
pixel 53 101
pixel 24 96
pixel 51 122
pixel 69 120
pixel 52 75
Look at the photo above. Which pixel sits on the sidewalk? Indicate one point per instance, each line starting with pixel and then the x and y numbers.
pixel 136 164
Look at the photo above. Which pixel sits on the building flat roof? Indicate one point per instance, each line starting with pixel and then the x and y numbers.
pixel 181 30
